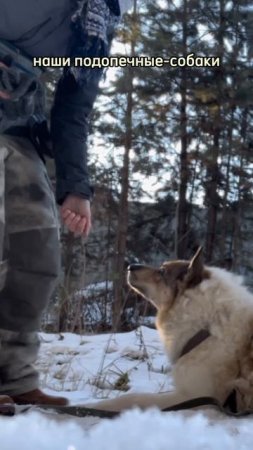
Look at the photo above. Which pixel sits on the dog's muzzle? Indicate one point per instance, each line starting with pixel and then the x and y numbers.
pixel 132 273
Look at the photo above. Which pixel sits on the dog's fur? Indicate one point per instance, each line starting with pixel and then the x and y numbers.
pixel 190 297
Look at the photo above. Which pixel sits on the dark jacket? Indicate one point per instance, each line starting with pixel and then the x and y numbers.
pixel 46 31
pixel 69 129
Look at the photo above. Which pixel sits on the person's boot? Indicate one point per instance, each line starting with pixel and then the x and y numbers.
pixel 7 406
pixel 37 397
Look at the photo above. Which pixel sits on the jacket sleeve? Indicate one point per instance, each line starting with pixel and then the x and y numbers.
pixel 74 98
pixel 69 128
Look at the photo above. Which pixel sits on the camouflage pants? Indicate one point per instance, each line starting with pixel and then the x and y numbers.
pixel 30 260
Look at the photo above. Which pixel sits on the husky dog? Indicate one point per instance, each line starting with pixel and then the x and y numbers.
pixel 205 321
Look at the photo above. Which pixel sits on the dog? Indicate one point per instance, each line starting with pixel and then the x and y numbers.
pixel 205 321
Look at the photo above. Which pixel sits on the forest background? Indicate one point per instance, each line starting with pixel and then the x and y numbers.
pixel 170 157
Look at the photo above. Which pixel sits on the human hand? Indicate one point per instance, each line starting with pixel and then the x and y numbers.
pixel 76 215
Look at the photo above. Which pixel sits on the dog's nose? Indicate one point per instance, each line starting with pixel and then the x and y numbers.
pixel 133 267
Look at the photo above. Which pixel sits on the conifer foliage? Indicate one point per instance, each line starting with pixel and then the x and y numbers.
pixel 178 137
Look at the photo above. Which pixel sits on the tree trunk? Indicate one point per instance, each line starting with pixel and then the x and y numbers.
pixel 238 237
pixel 212 197
pixel 182 206
pixel 213 166
pixel 122 228
pixel 74 280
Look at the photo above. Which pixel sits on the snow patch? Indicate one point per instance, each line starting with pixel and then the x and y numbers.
pixel 134 429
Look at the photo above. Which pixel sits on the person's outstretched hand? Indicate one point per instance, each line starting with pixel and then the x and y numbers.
pixel 76 215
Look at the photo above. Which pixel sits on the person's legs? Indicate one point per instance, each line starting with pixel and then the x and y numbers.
pixel 29 249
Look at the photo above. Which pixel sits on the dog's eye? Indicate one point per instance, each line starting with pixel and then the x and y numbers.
pixel 161 271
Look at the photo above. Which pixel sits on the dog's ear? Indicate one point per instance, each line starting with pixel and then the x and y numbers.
pixel 195 269
pixel 197 258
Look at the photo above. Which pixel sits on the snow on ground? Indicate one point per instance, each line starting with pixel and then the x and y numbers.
pixel 149 430
pixel 85 367
pixel 93 365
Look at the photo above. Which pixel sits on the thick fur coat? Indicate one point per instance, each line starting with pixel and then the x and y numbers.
pixel 190 297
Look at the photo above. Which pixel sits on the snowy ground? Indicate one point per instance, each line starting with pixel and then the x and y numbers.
pixel 85 367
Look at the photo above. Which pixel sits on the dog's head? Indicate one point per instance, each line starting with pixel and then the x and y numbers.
pixel 161 286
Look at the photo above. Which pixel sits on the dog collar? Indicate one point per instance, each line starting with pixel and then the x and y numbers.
pixel 194 341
